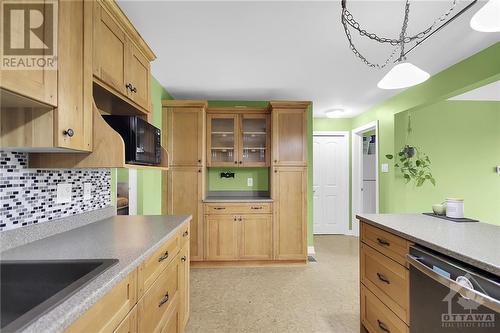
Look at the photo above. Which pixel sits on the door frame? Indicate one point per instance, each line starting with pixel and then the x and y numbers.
pixel 357 171
pixel 344 134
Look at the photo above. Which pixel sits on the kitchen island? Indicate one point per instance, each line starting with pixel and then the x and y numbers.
pixel 133 240
pixel 415 268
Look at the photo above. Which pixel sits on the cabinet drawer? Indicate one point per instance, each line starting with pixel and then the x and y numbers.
pixel 376 317
pixel 238 208
pixel 163 295
pixel 387 279
pixel 172 322
pixel 107 314
pixel 129 324
pixel 184 235
pixel 388 244
pixel 151 268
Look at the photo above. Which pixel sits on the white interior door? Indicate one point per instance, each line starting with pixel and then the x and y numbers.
pixel 330 185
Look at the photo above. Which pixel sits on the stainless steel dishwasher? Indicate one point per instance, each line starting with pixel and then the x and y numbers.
pixel 447 295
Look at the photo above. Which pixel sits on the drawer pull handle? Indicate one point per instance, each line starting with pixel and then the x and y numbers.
pixel 259 207
pixel 185 234
pixel 382 241
pixel 163 257
pixel 183 259
pixel 383 326
pixel 219 208
pixel 382 278
pixel 163 300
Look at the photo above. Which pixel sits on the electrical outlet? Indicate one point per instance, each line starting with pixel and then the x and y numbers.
pixel 64 193
pixel 249 182
pixel 87 191
pixel 385 167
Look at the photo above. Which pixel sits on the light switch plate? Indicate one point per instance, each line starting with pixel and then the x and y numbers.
pixel 385 167
pixel 249 181
pixel 87 191
pixel 64 193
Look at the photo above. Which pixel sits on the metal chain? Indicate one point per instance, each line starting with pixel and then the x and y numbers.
pixel 347 19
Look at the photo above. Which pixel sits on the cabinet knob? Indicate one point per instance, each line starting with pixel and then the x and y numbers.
pixel 240 162
pixel 240 219
pixel 128 86
pixel 275 171
pixel 164 300
pixel 163 257
pixel 69 132
pixel 275 161
pixel 199 170
pixel 133 89
pixel 235 162
pixel 185 234
pixel 183 259
pixel 199 161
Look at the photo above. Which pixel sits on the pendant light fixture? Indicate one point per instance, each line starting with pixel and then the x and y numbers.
pixel 487 19
pixel 403 74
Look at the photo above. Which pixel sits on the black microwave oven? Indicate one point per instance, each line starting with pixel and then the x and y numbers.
pixel 142 140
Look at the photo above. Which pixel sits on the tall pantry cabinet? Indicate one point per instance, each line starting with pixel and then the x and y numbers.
pixel 184 183
pixel 289 179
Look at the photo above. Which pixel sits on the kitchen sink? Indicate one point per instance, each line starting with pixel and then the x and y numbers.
pixel 31 288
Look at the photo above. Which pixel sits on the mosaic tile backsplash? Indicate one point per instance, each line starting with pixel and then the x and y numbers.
pixel 28 196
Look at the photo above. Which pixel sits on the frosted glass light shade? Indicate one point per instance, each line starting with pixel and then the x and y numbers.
pixel 487 19
pixel 403 75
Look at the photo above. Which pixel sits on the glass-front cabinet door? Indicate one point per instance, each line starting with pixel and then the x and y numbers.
pixel 254 142
pixel 222 140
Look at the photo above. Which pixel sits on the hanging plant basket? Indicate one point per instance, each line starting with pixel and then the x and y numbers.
pixel 413 163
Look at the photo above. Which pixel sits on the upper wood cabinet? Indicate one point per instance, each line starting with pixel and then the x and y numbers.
pixel 290 212
pixel 289 137
pixel 184 125
pixel 69 89
pixel 121 61
pixel 238 138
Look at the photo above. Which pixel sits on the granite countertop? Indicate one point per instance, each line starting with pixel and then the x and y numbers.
pixel 475 243
pixel 215 199
pixel 130 239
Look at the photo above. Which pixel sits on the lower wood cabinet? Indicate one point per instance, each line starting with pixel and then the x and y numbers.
pixel 290 212
pixel 238 236
pixel 154 298
pixel 385 281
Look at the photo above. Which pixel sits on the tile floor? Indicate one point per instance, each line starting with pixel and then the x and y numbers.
pixel 320 297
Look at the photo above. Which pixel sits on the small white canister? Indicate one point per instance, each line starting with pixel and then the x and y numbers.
pixel 455 208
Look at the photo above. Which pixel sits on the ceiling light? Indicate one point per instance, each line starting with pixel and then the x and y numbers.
pixel 403 75
pixel 487 19
pixel 333 113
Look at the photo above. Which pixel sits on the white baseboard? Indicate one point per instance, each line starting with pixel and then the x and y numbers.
pixel 310 251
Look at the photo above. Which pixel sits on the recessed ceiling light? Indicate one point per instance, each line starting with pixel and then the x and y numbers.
pixel 403 75
pixel 333 113
pixel 487 19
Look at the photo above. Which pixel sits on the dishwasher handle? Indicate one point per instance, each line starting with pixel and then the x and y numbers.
pixel 472 294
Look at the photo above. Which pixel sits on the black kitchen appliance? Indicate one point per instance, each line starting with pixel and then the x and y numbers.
pixel 142 140
pixel 447 295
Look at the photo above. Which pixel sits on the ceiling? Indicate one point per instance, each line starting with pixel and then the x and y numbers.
pixel 264 50
pixel 489 92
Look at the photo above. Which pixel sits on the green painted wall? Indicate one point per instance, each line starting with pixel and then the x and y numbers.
pixel 462 139
pixel 149 181
pixel 239 182
pixel 477 70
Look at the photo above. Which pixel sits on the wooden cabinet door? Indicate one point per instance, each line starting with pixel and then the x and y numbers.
pixel 290 212
pixel 184 286
pixel 74 111
pixel 40 85
pixel 254 140
pixel 186 136
pixel 221 234
pixel 255 241
pixel 137 74
pixel 110 50
pixel 289 137
pixel 222 140
pixel 185 194
pixel 129 324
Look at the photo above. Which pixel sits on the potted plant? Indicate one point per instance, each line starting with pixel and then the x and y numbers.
pixel 413 163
